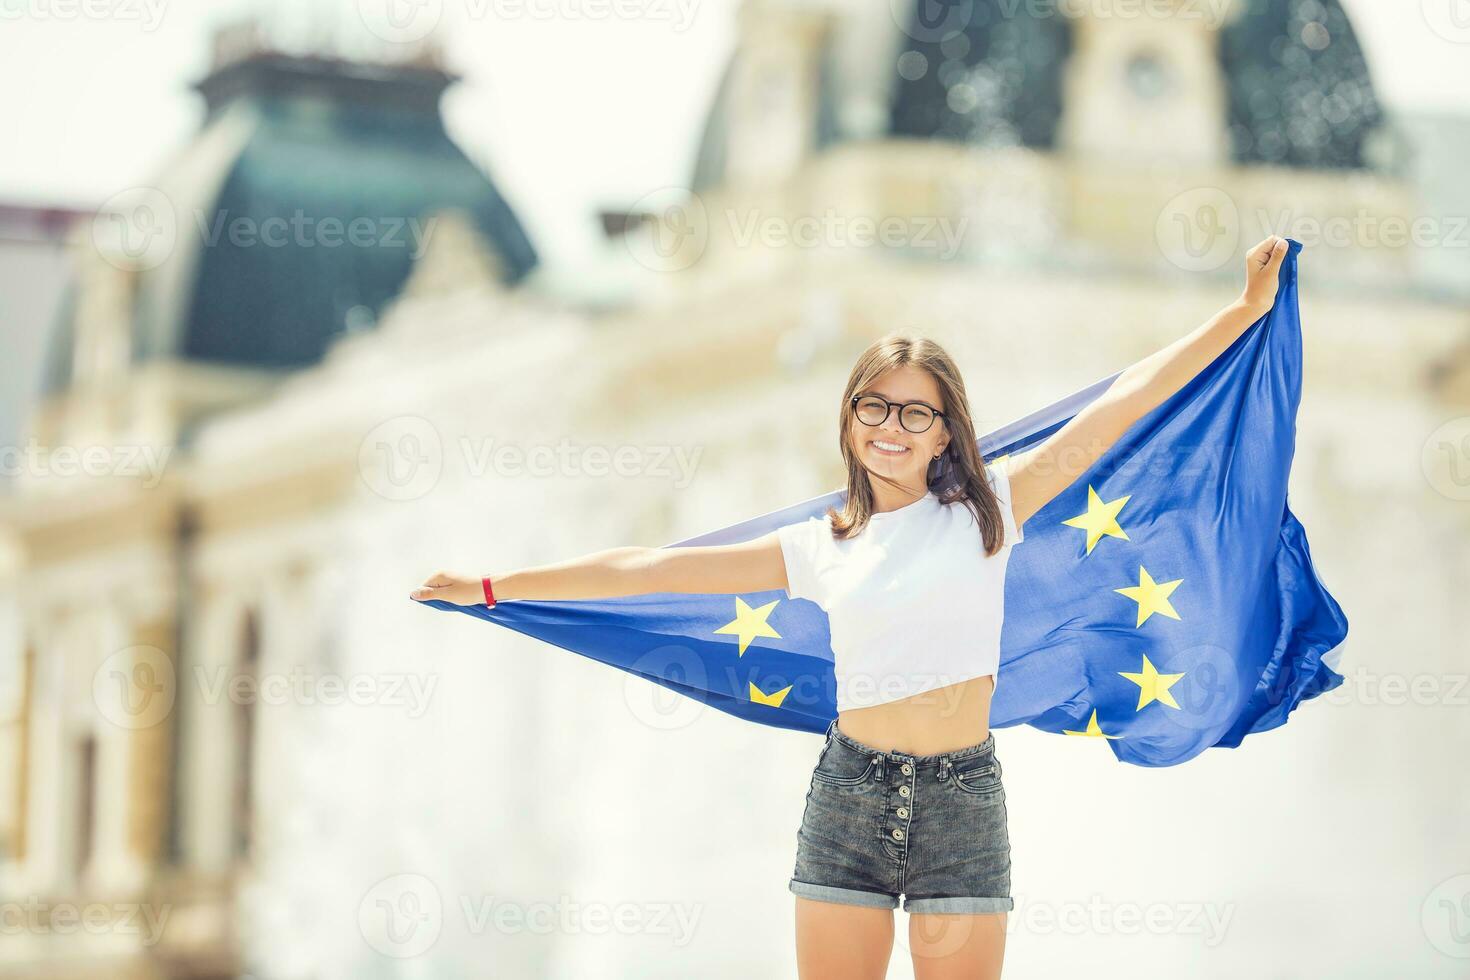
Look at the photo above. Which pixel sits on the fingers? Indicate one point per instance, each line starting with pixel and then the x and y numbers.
pixel 1271 249
pixel 1278 252
pixel 432 585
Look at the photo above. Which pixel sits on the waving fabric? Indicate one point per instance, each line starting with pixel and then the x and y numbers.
pixel 1164 603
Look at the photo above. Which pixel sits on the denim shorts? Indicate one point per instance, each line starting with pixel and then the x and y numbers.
pixel 879 824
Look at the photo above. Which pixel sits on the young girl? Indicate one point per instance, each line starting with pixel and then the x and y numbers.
pixel 906 796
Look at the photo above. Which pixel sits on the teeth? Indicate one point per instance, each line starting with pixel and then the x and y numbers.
pixel 890 446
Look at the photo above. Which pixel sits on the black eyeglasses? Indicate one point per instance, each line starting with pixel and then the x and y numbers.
pixel 873 410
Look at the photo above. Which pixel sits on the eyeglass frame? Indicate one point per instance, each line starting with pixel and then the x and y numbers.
pixel 888 410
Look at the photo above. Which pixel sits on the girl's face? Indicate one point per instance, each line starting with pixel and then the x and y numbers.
pixel 890 449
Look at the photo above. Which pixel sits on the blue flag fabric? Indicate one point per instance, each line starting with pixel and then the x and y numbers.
pixel 1164 603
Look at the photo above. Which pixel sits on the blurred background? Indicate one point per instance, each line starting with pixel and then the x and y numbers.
pixel 302 301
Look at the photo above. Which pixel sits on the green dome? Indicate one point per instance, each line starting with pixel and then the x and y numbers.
pixel 298 210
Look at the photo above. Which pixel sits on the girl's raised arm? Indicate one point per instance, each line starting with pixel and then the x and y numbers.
pixel 1040 473
pixel 756 565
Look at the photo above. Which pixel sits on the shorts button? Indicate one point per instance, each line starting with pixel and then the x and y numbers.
pixel 897 834
pixel 903 812
pixel 903 791
pixel 908 770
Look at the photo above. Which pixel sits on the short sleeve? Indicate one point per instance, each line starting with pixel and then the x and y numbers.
pixel 1002 486
pixel 799 547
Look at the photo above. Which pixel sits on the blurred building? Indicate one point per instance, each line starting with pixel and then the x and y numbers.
pixel 287 435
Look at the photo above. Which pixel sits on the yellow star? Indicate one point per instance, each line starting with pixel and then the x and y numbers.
pixel 750 623
pixel 1152 597
pixel 757 696
pixel 1152 685
pixel 1093 731
pixel 1101 518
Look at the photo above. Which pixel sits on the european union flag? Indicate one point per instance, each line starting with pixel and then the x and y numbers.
pixel 1165 602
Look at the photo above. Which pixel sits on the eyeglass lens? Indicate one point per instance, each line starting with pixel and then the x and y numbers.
pixel 913 417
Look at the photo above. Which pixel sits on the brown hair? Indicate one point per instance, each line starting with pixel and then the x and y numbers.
pixel 957 475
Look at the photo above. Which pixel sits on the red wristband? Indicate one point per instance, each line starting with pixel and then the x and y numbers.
pixel 489 593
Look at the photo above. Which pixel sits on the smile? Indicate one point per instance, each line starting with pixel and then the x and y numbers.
pixel 888 448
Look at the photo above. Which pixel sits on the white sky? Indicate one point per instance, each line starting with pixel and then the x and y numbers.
pixel 570 112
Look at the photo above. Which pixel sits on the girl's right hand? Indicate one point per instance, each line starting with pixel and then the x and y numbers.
pixel 461 590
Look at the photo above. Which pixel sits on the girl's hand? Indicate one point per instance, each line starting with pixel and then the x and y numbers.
pixel 1262 264
pixel 461 590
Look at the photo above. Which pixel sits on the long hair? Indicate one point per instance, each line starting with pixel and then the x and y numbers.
pixel 957 476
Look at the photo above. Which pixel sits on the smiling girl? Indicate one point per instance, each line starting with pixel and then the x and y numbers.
pixel 906 798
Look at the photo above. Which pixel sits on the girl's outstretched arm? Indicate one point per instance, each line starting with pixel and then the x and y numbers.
pixel 1040 473
pixel 756 565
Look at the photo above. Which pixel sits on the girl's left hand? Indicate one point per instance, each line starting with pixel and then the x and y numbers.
pixel 1262 264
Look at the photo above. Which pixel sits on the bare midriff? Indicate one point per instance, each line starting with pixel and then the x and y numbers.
pixel 944 719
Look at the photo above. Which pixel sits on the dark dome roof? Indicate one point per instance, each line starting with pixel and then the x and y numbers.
pixel 1300 93
pixel 295 150
pixel 990 72
pixel 988 79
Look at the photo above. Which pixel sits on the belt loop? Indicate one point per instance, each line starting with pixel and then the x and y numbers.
pixel 944 767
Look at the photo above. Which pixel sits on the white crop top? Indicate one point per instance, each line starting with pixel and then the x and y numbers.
pixel 912 601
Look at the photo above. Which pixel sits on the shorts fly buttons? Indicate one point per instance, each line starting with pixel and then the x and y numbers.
pixel 905 791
